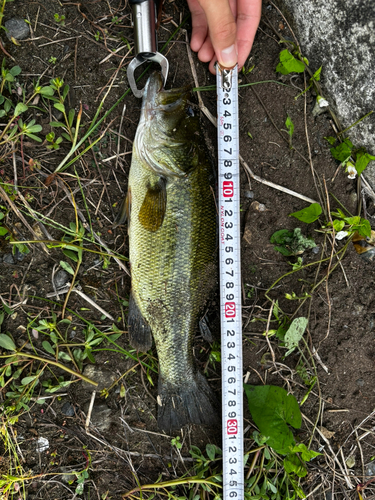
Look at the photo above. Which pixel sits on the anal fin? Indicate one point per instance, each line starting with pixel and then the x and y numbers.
pixel 139 329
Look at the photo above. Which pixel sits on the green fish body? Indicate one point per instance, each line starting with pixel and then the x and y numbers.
pixel 172 240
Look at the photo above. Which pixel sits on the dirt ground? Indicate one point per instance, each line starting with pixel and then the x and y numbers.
pixel 123 443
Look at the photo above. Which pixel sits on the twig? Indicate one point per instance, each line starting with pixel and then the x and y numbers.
pixel 273 185
pixel 89 411
pixel 195 77
pixel 79 292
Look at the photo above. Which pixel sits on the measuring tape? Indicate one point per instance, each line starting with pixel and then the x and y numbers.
pixel 230 282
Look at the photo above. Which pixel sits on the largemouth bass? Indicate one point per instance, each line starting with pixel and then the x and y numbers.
pixel 172 239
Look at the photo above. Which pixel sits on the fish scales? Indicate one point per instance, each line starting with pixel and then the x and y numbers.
pixel 172 239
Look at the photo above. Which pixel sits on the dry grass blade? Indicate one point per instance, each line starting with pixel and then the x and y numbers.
pixel 6 198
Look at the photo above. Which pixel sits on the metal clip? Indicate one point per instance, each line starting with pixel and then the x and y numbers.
pixel 138 61
pixel 226 78
pixel 144 21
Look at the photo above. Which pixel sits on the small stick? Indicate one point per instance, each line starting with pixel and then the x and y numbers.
pixel 81 294
pixel 15 172
pixel 88 418
pixel 273 185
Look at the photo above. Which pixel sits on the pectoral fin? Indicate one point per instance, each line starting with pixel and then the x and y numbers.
pixel 124 212
pixel 151 214
pixel 139 329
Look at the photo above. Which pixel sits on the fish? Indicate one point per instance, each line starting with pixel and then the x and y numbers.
pixel 171 214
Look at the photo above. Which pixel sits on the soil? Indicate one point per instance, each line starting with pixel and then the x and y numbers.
pixel 125 446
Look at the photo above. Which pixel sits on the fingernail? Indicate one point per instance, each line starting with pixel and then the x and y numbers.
pixel 228 57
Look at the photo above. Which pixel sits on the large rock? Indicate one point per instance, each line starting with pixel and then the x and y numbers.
pixel 340 36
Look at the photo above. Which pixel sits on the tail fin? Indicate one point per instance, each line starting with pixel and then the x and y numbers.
pixel 193 403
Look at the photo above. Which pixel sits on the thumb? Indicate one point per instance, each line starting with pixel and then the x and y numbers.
pixel 222 30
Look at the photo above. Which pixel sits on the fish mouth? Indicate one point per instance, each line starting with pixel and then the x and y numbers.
pixel 156 98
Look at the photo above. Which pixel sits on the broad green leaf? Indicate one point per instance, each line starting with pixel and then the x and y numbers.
pixel 292 464
pixel 2 113
pixel 67 267
pixel 34 129
pixel 34 137
pixel 3 231
pixel 356 220
pixel 306 454
pixel 57 124
pixel 20 108
pixel 15 71
pixel 272 408
pixel 47 346
pixel 363 159
pixel 64 356
pixel 27 380
pixel 211 450
pixel 7 105
pixel 308 214
pixel 343 151
pixel 47 91
pixel 9 77
pixel 59 106
pixel 65 91
pixel 71 117
pixel 295 333
pixel 72 255
pixel 114 337
pixel 6 342
pixel 338 225
pixel 364 229
pixel 289 64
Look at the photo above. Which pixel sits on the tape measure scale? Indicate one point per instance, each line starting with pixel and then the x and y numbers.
pixel 230 282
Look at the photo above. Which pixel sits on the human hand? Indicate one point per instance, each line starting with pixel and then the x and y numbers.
pixel 224 30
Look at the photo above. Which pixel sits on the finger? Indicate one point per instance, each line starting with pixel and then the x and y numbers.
pixel 248 17
pixel 199 24
pixel 222 30
pixel 206 52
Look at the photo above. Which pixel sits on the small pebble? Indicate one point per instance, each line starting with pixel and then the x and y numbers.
pixel 249 194
pixel 360 382
pixel 61 278
pixel 42 444
pixel 68 409
pixel 315 250
pixel 370 470
pixel 19 256
pixel 8 258
pixel 17 28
